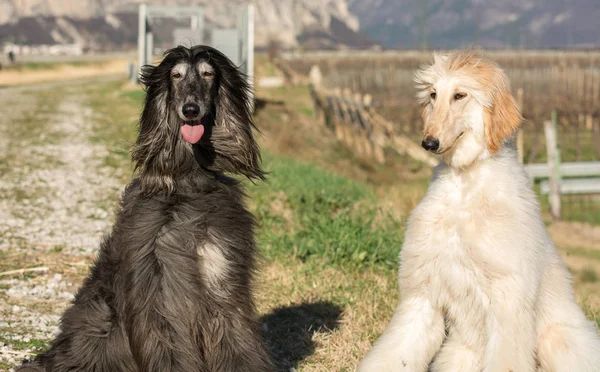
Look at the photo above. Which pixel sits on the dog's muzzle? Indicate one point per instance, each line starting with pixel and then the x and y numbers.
pixel 431 144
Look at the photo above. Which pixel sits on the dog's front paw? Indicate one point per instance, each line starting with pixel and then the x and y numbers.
pixel 378 364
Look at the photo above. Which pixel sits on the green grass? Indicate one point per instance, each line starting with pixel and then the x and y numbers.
pixel 32 66
pixel 307 111
pixel 576 208
pixel 134 95
pixel 588 275
pixel 573 147
pixel 115 125
pixel 34 345
pixel 591 312
pixel 57 248
pixel 311 213
pixel 29 128
pixel 583 252
pixel 580 208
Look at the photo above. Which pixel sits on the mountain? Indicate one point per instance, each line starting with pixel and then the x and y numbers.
pixel 318 24
pixel 106 23
pixel 492 24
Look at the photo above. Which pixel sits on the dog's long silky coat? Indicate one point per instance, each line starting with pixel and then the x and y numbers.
pixel 482 287
pixel 171 288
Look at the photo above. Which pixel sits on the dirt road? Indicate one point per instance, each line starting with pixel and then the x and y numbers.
pixel 56 200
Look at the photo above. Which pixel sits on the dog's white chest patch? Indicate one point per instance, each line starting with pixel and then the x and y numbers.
pixel 213 264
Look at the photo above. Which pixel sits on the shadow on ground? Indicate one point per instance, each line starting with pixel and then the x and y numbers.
pixel 289 330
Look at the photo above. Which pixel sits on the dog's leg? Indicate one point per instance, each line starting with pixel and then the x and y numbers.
pixel 162 334
pixel 567 341
pixel 32 367
pixel 569 348
pixel 89 340
pixel 511 328
pixel 455 356
pixel 233 343
pixel 410 340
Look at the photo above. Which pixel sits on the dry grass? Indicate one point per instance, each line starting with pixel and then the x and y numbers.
pixel 13 77
pixel 323 318
pixel 73 268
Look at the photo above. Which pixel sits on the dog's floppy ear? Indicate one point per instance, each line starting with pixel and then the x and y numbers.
pixel 146 75
pixel 503 118
pixel 233 139
pixel 153 150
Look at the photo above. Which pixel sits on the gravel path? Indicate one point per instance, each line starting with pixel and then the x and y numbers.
pixel 56 200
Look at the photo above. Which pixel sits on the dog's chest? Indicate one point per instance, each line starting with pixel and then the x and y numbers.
pixel 224 246
pixel 460 238
pixel 213 265
pixel 459 278
pixel 457 235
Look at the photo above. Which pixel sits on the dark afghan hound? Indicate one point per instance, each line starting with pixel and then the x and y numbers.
pixel 171 287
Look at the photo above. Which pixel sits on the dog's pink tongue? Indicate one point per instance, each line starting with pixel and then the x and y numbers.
pixel 192 133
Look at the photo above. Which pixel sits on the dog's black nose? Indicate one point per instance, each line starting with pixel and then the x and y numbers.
pixel 191 110
pixel 431 144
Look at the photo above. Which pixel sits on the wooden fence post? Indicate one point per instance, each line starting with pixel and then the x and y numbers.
pixel 337 120
pixel 316 78
pixel 317 109
pixel 315 86
pixel 377 148
pixel 339 94
pixel 349 132
pixel 358 125
pixel 550 131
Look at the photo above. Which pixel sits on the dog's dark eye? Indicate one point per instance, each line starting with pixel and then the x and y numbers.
pixel 458 96
pixel 432 95
pixel 176 75
pixel 207 74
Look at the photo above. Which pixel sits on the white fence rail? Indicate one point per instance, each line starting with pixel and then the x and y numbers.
pixel 574 186
pixel 580 169
pixel 570 186
pixel 580 177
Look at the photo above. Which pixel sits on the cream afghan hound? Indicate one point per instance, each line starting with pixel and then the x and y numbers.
pixel 482 286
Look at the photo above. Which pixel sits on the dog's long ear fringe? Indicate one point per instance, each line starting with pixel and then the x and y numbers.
pixel 154 145
pixel 233 137
pixel 146 75
pixel 503 119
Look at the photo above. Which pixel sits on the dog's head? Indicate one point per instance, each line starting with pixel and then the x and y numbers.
pixel 196 114
pixel 468 108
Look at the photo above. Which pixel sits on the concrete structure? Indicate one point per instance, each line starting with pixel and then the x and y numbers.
pixel 237 43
